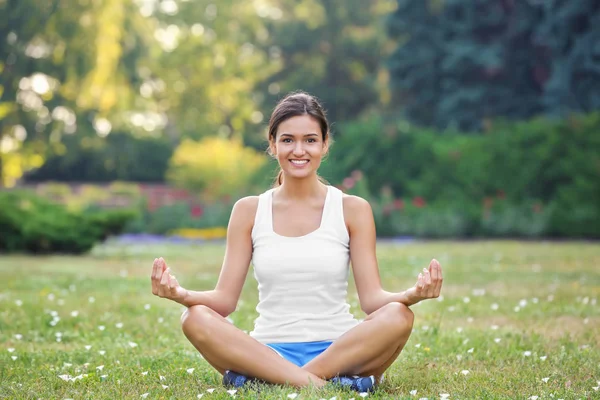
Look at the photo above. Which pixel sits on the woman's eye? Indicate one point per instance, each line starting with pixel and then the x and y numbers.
pixel 287 140
pixel 312 140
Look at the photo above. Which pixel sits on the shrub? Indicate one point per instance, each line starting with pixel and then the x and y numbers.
pixel 32 224
pixel 181 215
pixel 214 166
pixel 546 170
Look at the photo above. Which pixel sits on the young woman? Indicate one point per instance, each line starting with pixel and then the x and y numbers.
pixel 301 236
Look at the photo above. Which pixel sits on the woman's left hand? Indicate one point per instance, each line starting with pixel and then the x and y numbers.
pixel 429 283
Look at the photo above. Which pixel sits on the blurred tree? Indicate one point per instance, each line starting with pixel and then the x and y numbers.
pixel 120 156
pixel 211 58
pixel 331 49
pixel 66 67
pixel 460 63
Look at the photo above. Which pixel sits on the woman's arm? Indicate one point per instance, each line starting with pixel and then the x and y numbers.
pixel 361 227
pixel 238 253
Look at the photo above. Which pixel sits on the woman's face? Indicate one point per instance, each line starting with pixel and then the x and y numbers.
pixel 299 146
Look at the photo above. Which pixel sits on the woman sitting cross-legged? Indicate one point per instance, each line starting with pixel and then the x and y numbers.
pixel 301 237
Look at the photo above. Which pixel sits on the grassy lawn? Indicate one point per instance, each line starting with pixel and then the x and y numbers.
pixel 516 320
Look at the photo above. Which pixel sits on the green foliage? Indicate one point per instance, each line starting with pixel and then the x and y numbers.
pixel 331 49
pixel 168 218
pixel 120 156
pixel 461 63
pixel 65 66
pixel 33 224
pixel 520 179
pixel 214 167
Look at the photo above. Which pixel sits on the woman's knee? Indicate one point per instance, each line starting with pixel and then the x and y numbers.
pixel 196 319
pixel 399 315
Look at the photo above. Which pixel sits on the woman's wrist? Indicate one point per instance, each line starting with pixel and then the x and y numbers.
pixel 184 299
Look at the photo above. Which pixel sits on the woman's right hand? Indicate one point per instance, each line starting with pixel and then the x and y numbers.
pixel 164 284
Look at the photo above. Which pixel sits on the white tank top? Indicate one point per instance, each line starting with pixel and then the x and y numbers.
pixel 302 281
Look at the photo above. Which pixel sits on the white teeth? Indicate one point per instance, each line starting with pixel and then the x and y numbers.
pixel 299 162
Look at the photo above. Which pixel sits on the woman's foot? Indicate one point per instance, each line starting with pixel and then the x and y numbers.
pixel 235 380
pixel 356 383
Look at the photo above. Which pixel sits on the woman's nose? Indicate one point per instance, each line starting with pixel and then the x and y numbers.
pixel 298 149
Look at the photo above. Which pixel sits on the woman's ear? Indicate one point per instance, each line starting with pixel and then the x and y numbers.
pixel 326 144
pixel 272 148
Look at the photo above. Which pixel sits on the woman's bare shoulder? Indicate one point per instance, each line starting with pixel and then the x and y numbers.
pixel 355 204
pixel 356 210
pixel 244 210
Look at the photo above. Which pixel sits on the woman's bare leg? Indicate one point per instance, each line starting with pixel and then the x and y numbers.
pixel 226 347
pixel 369 348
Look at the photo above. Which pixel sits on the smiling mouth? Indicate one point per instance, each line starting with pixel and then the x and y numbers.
pixel 299 162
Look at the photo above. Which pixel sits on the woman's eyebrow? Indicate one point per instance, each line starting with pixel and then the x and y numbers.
pixel 306 134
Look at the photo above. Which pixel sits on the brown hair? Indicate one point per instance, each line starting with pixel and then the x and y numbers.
pixel 293 105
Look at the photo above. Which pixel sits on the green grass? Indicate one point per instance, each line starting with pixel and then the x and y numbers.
pixel 554 334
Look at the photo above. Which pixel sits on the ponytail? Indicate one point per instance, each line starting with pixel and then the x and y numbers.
pixel 278 179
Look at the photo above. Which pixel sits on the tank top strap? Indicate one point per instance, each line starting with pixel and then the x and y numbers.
pixel 263 217
pixel 334 214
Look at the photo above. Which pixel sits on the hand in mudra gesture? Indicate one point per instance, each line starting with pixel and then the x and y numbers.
pixel 429 283
pixel 164 284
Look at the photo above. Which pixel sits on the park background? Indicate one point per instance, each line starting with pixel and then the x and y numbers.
pixel 129 128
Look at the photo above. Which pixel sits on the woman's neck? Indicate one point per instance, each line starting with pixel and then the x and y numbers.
pixel 301 189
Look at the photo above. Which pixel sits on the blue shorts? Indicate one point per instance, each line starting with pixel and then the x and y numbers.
pixel 300 353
